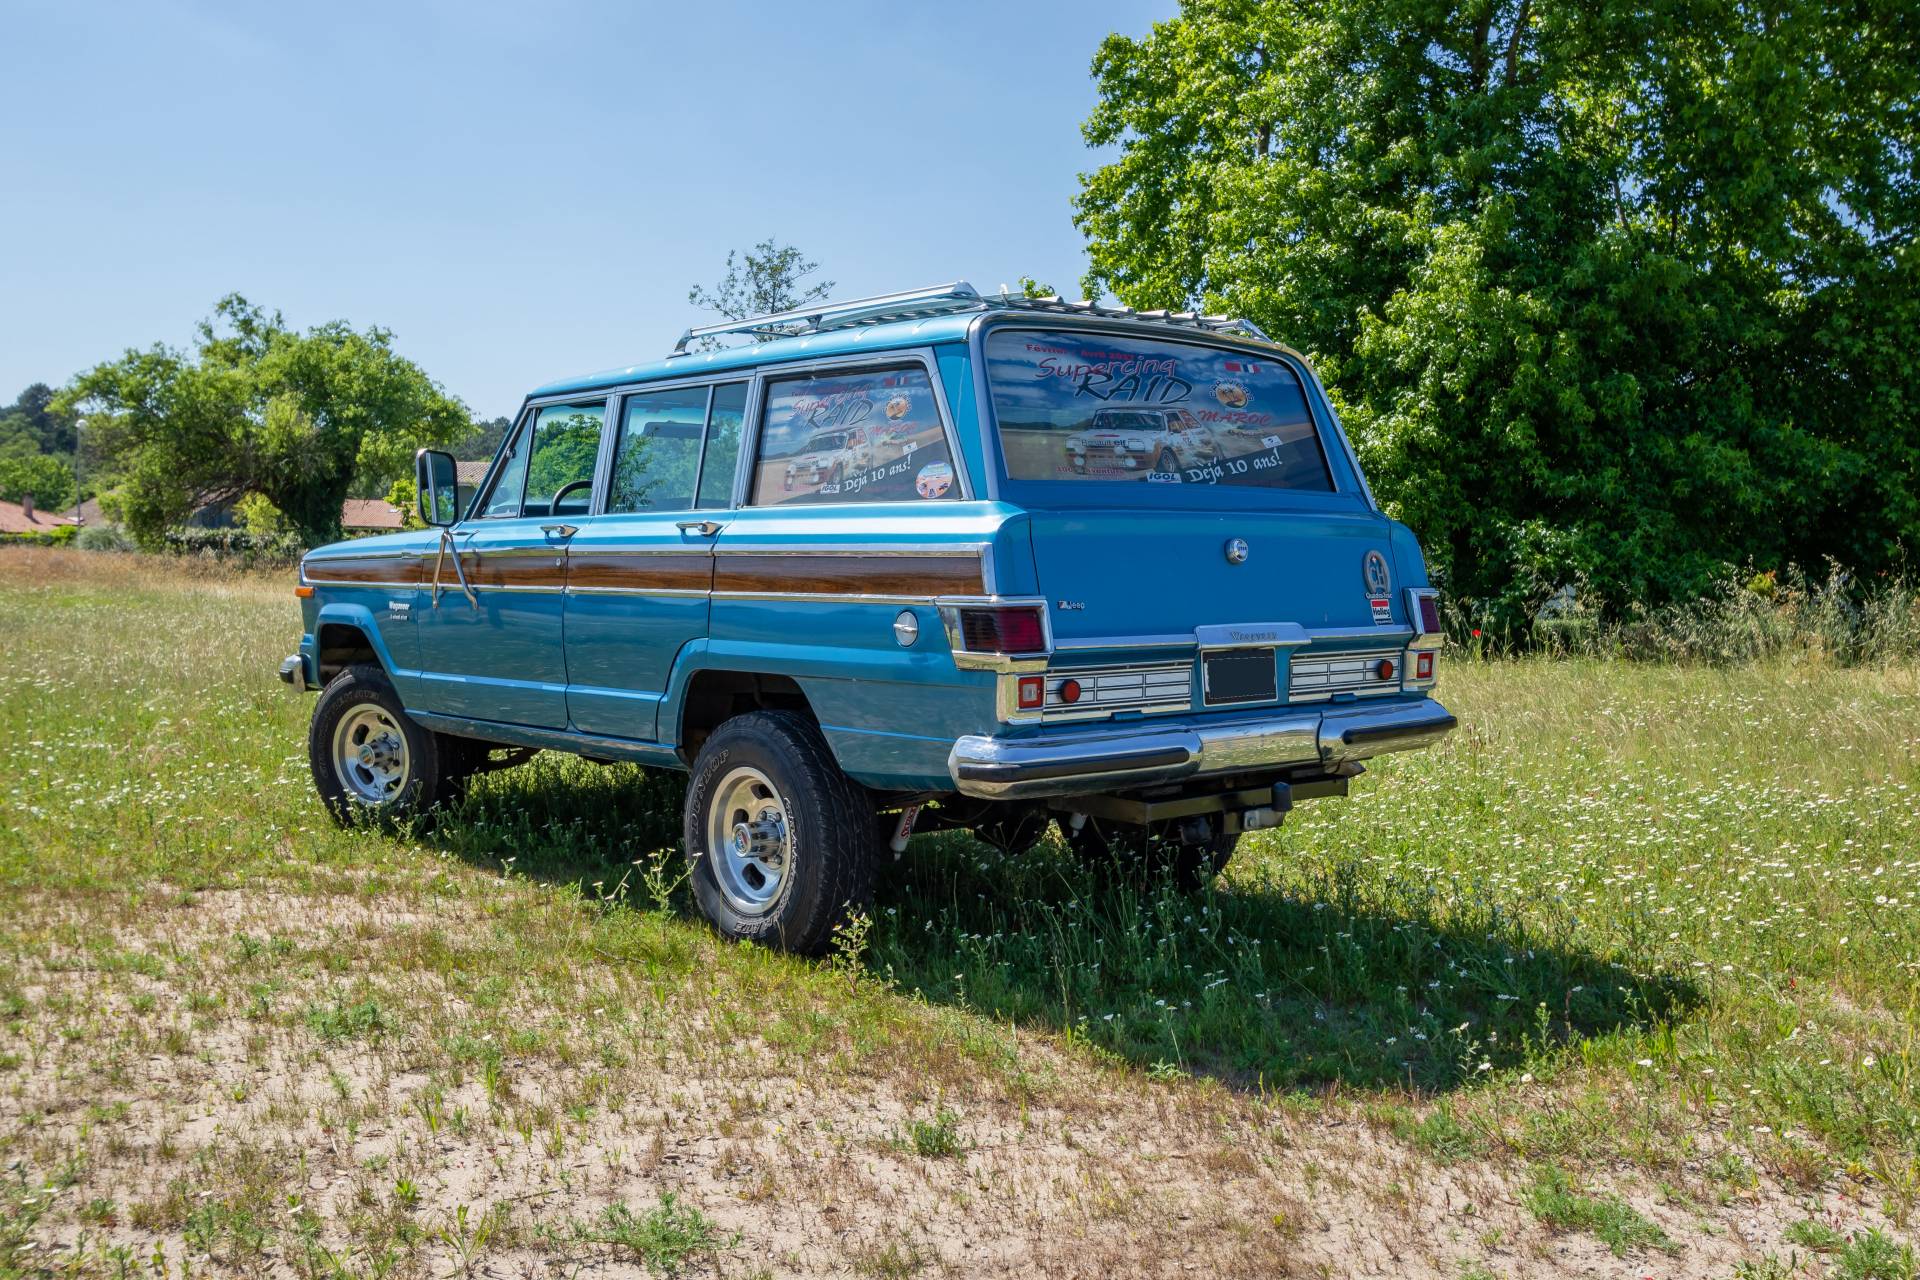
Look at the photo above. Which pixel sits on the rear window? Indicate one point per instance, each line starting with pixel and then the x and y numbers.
pixel 1092 408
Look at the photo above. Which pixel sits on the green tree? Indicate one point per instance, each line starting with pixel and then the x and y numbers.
pixel 48 480
pixel 1615 295
pixel 34 416
pixel 258 406
pixel 761 281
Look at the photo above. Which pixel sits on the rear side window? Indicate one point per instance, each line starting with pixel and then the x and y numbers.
pixel 723 444
pixel 1092 408
pixel 656 461
pixel 870 436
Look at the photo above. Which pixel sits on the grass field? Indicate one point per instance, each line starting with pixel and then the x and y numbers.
pixel 1622 979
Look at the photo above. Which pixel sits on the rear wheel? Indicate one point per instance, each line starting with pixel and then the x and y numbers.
pixel 782 843
pixel 1140 856
pixel 1167 463
pixel 370 760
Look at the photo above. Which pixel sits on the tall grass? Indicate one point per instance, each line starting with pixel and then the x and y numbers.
pixel 1767 616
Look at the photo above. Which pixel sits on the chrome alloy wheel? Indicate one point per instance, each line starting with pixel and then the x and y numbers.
pixel 748 840
pixel 370 754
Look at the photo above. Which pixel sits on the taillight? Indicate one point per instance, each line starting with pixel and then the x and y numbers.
pixel 1423 666
pixel 1002 629
pixel 1430 615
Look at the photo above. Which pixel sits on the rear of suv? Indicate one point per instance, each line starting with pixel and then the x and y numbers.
pixel 936 559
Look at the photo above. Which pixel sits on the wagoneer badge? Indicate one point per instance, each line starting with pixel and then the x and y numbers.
pixel 1236 550
pixel 1373 570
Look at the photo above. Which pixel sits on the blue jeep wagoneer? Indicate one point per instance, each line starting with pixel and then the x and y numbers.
pixel 940 557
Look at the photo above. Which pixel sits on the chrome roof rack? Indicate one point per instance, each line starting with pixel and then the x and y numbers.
pixel 941 300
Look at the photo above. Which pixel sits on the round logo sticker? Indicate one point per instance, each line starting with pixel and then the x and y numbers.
pixel 1374 573
pixel 934 480
pixel 1231 394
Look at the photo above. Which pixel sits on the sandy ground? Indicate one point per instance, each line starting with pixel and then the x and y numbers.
pixel 804 1173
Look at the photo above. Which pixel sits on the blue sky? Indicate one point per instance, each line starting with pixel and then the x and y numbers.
pixel 519 191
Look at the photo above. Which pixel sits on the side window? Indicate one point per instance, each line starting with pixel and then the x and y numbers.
pixel 511 477
pixel 723 444
pixel 658 453
pixel 870 436
pixel 566 444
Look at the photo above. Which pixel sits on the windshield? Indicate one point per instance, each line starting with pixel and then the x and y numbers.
pixel 1092 407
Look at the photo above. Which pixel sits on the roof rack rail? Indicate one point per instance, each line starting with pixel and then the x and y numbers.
pixel 940 300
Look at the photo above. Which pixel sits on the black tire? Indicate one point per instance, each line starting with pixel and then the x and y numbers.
pixel 828 845
pixel 1142 856
pixel 364 692
pixel 1167 464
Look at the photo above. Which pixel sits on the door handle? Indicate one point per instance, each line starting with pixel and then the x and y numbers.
pixel 705 528
pixel 559 530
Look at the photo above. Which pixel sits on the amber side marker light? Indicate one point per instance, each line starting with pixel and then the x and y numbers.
pixel 305 593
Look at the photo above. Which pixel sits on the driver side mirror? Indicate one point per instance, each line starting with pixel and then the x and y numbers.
pixel 436 486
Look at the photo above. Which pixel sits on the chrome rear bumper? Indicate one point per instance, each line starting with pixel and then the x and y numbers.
pixel 1070 763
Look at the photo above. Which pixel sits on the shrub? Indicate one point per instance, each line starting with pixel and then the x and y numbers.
pixel 103 537
pixel 235 546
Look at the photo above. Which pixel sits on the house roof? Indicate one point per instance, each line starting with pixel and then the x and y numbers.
pixel 370 513
pixel 470 472
pixel 14 519
pixel 89 512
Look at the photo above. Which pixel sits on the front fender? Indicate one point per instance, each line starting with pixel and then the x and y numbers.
pixel 363 619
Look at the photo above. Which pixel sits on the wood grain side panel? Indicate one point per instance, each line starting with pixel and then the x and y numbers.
pixel 829 573
pixel 641 572
pixel 383 569
pixel 484 570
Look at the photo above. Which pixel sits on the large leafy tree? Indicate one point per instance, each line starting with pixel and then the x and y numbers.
pixel 1609 294
pixel 258 407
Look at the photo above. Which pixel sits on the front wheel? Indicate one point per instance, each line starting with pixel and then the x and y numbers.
pixel 782 843
pixel 370 760
pixel 1139 856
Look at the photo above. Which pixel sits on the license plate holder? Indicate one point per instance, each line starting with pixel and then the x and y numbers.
pixel 1234 676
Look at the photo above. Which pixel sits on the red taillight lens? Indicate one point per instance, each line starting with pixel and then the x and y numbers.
pixel 1069 691
pixel 1385 669
pixel 1423 666
pixel 1033 692
pixel 1430 615
pixel 1002 630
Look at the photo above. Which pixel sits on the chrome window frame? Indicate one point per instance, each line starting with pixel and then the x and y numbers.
pixel 875 361
pixel 1327 426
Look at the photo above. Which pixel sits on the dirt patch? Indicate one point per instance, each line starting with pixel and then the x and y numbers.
pixel 167 1111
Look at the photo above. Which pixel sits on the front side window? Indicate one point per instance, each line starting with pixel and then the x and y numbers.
pixel 1092 408
pixel 870 436
pixel 657 457
pixel 566 445
pixel 509 479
